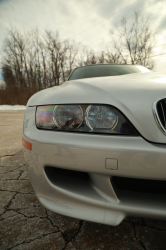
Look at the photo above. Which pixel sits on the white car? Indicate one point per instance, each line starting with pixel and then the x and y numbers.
pixel 95 146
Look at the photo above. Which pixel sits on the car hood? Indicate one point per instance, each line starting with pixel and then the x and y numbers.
pixel 133 94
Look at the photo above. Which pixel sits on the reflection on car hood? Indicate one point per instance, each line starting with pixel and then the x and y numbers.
pixel 133 94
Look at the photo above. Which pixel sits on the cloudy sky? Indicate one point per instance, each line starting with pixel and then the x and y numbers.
pixel 88 21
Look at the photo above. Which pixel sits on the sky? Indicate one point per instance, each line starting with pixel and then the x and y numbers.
pixel 89 22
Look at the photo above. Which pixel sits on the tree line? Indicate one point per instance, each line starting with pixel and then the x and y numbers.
pixel 32 61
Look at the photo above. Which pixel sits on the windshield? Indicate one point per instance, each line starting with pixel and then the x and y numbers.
pixel 105 70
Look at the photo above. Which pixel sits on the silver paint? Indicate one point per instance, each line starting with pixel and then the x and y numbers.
pixel 97 200
pixel 132 94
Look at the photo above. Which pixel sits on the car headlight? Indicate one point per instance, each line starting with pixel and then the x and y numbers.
pixel 83 118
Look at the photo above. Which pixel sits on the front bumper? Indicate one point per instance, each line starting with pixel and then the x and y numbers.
pixel 96 199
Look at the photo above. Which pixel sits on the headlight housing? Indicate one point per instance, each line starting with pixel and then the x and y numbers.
pixel 83 118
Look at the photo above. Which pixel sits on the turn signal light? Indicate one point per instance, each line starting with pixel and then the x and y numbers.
pixel 26 144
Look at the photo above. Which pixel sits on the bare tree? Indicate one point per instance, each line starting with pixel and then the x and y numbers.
pixel 132 43
pixel 70 63
pixel 8 76
pixel 101 57
pixel 13 48
pixel 87 56
pixel 31 61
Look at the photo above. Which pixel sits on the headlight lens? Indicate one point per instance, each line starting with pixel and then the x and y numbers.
pixel 100 117
pixel 68 116
pixel 83 118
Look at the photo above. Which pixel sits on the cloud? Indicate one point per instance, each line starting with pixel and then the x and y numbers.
pixel 162 24
pixel 88 22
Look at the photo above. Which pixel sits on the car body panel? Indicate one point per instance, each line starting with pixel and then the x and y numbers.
pixel 81 151
pixel 95 200
pixel 141 156
pixel 118 91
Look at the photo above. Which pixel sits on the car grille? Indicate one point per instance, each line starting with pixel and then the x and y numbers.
pixel 139 185
pixel 160 113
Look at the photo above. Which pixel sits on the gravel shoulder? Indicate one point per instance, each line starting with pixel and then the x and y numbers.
pixel 25 224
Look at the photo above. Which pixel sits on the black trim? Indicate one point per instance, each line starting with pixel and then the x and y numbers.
pixel 52 171
pixel 139 185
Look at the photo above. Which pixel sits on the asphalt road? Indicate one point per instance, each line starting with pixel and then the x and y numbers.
pixel 11 126
pixel 27 225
